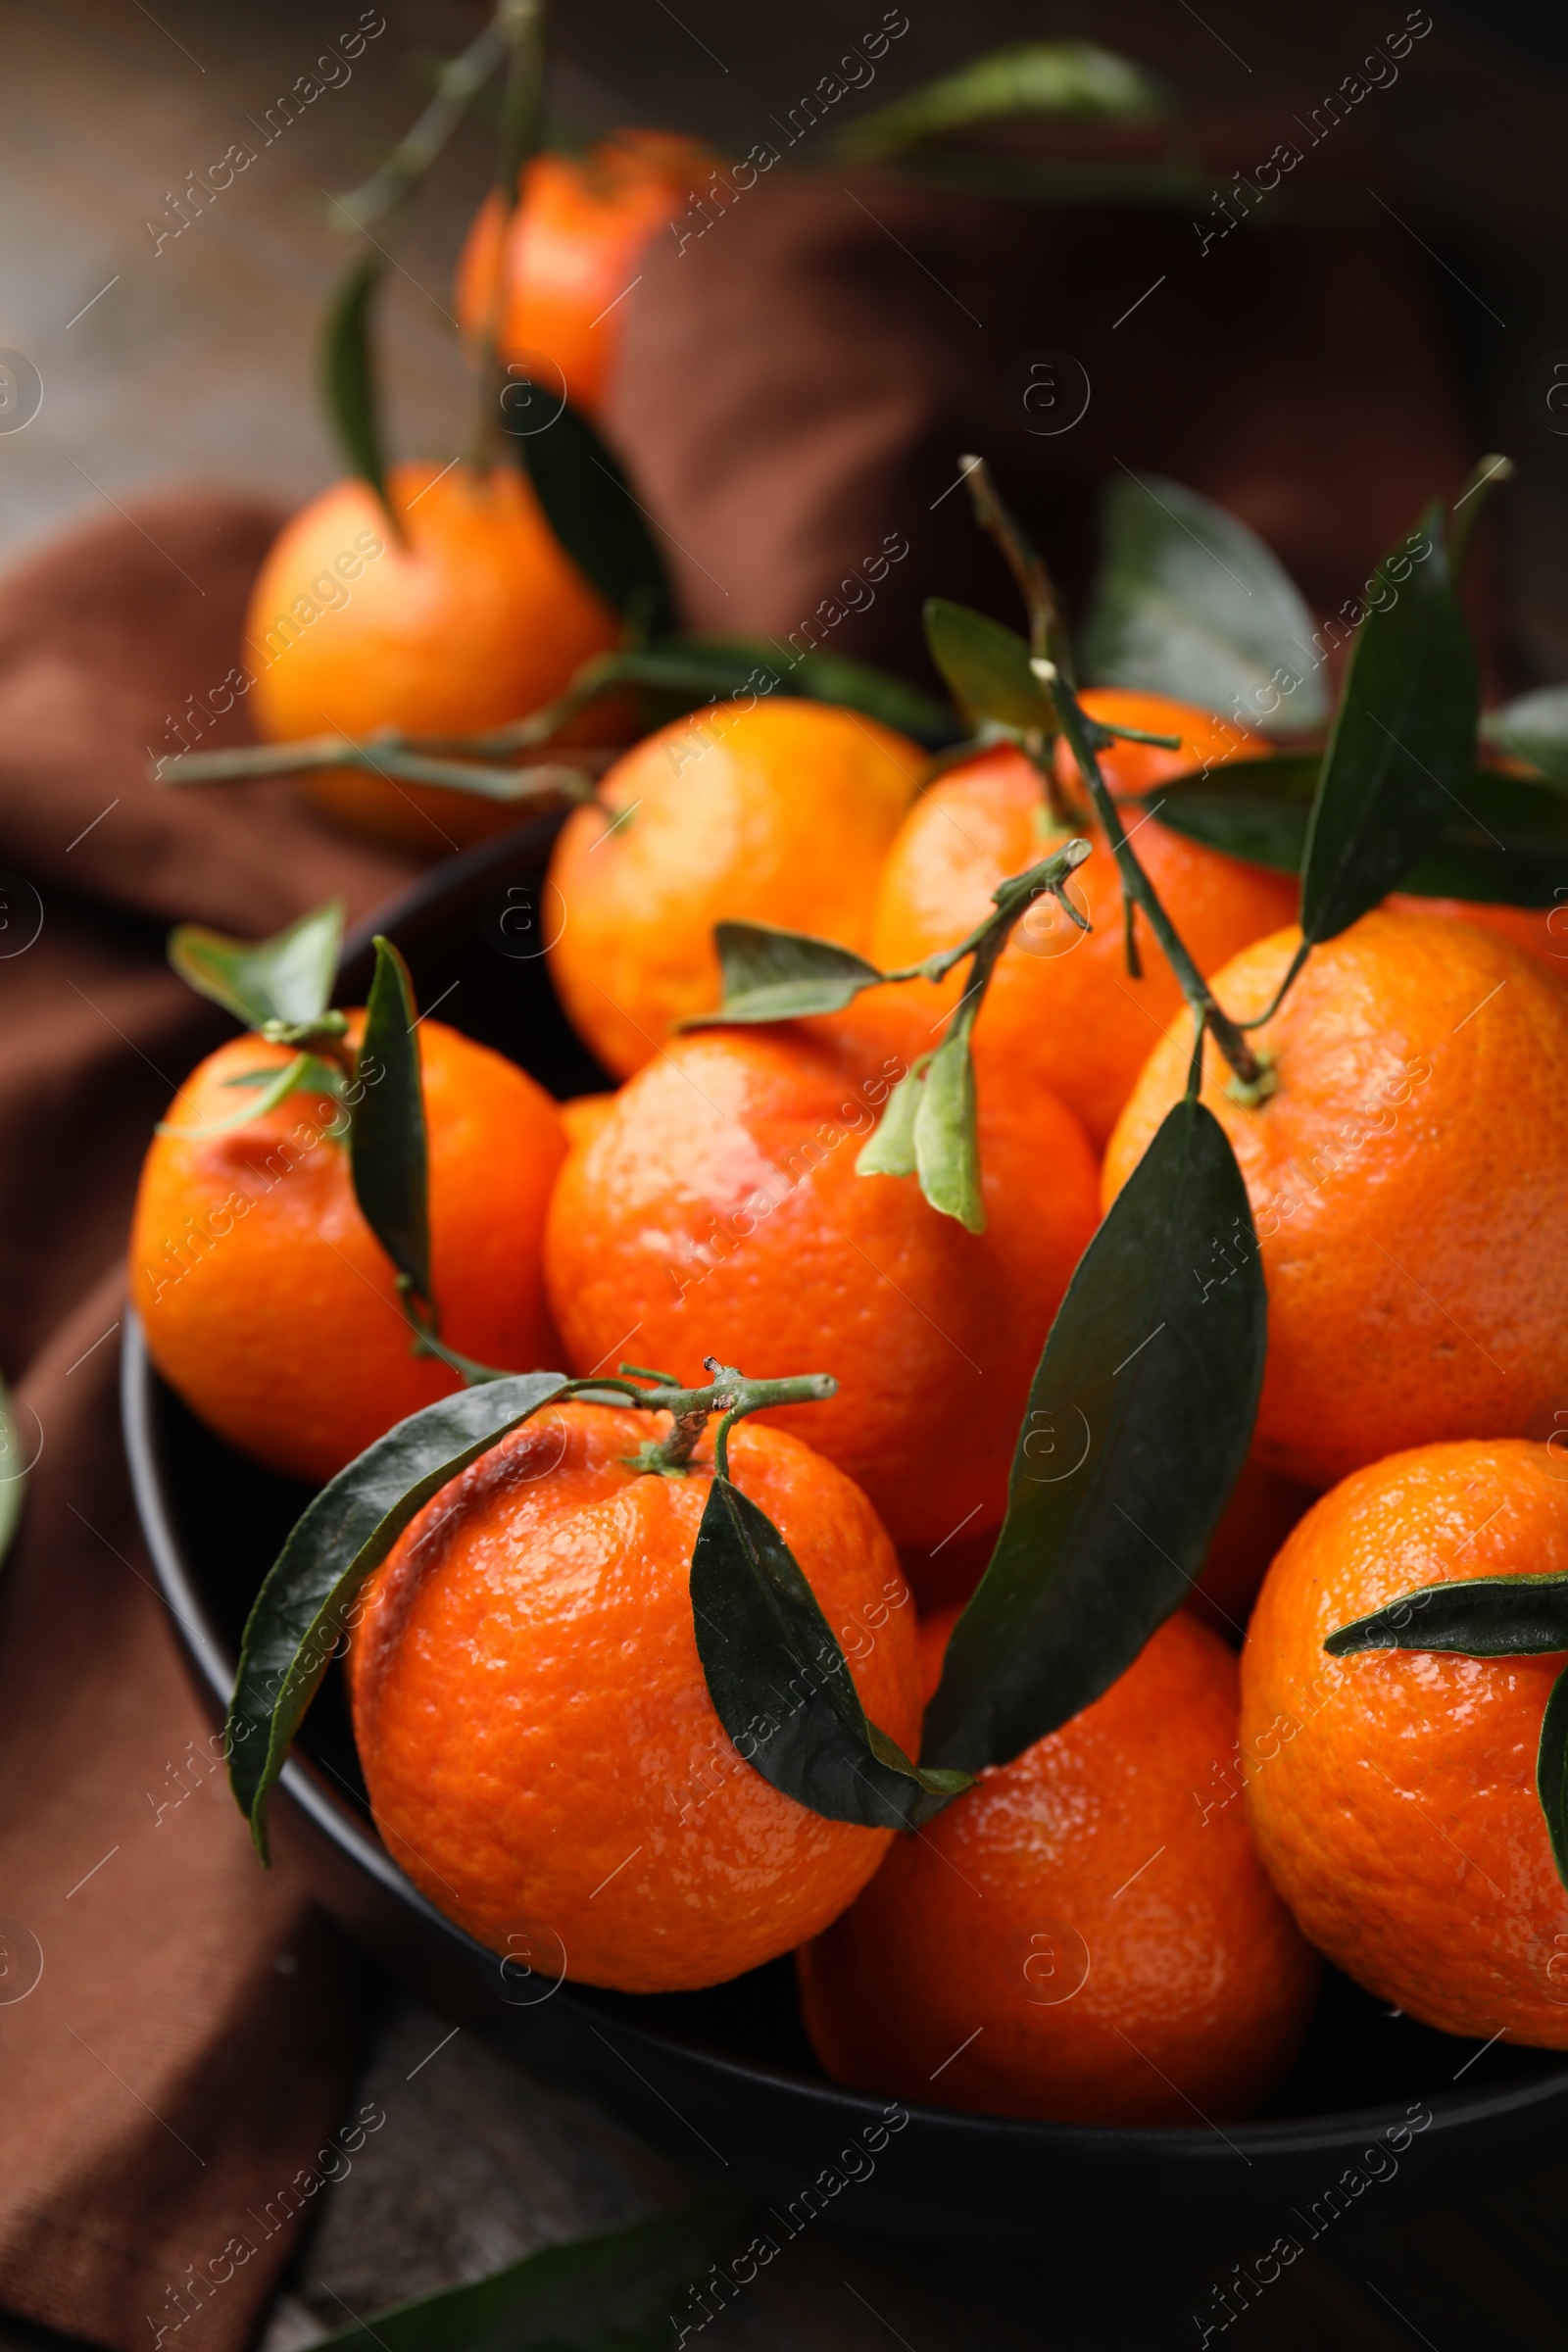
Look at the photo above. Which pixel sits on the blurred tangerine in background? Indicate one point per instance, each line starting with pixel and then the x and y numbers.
pixel 571 250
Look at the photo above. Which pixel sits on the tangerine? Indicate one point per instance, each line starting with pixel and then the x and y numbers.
pixel 1408 1178
pixel 267 1300
pixel 1071 1938
pixel 718 1209
pixel 537 1737
pixel 781 813
pixel 1393 1794
pixel 468 616
pixel 1062 1010
pixel 572 248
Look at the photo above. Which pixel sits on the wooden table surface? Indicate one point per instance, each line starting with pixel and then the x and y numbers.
pixel 194 357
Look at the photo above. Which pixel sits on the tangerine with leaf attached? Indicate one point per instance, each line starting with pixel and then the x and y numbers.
pixel 1408 1177
pixel 537 1736
pixel 267 1300
pixel 458 613
pixel 1071 1938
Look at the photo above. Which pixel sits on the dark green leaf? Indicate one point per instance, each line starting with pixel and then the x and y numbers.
pixel 945 1135
pixel 1480 1617
pixel 986 666
pixel 1533 729
pixel 1403 744
pixel 286 978
pixel 611 2293
pixel 1253 809
pixel 1137 1423
pixel 1066 79
pixel 588 504
pixel 779 1682
pixel 858 686
pixel 1501 839
pixel 344 1533
pixel 387 1150
pixel 1552 1772
pixel 348 373
pixel 773 976
pixel 1189 601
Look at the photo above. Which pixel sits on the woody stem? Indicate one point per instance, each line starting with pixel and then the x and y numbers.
pixel 1052 663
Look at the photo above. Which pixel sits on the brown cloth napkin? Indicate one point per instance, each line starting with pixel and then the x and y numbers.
pixel 176 2029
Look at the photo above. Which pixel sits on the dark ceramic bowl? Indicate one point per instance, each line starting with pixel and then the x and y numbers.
pixel 1378 2116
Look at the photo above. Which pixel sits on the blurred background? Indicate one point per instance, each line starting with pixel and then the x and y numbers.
pixel 196 360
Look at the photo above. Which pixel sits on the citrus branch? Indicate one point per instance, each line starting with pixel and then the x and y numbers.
pixel 1052 663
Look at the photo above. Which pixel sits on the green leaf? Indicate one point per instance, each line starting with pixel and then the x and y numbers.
pixel 1552 1772
pixel 1502 840
pixel 1253 809
pixel 1137 1423
pixel 889 1149
pixel 1072 80
pixel 987 666
pixel 607 2293
pixel 287 978
pixel 1189 601
pixel 780 1681
pixel 343 1535
pixel 1533 729
pixel 348 373
pixel 588 504
pixel 858 686
pixel 774 975
pixel 1479 1617
pixel 13 1471
pixel 1403 745
pixel 275 1086
pixel 946 1133
pixel 387 1150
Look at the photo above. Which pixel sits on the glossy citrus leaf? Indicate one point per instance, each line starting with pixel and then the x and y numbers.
pixel 1533 729
pixel 775 975
pixel 1138 1422
pixel 889 1149
pixel 858 686
pixel 612 2292
pixel 1191 602
pixel 287 978
pixel 780 1683
pixel 344 1533
pixel 1074 80
pixel 348 373
pixel 1479 1617
pixel 987 666
pixel 388 1153
pixel 589 506
pixel 1552 1772
pixel 946 1136
pixel 1401 747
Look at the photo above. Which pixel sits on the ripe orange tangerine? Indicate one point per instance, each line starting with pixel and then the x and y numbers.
pixel 1393 1794
pixel 1409 1180
pixel 267 1301
pixel 571 252
pixel 781 813
pixel 718 1209
pixel 1070 1938
pixel 467 615
pixel 541 1751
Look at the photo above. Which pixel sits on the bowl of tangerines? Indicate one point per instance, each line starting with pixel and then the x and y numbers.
pixel 860 1428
